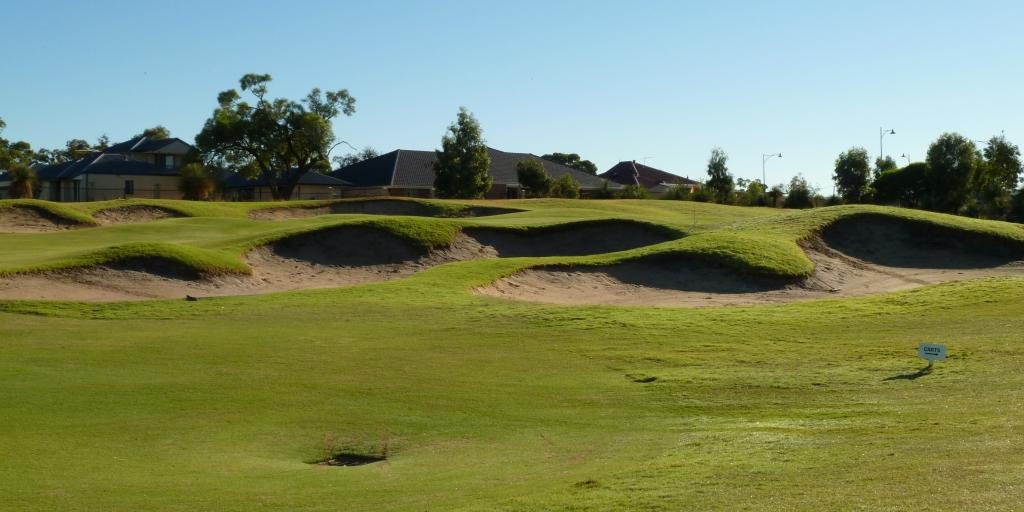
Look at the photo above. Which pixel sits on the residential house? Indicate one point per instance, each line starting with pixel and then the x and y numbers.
pixel 410 173
pixel 5 185
pixel 655 181
pixel 138 168
pixel 312 185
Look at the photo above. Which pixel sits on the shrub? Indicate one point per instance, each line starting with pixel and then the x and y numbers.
pixel 678 193
pixel 701 195
pixel 634 192
pixel 604 192
pixel 22 180
pixel 533 178
pixel 565 187
pixel 195 184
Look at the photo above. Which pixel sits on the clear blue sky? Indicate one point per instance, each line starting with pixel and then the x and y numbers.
pixel 609 80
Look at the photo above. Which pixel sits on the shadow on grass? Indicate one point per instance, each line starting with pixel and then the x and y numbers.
pixel 911 376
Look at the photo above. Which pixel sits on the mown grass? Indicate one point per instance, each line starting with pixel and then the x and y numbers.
pixel 488 404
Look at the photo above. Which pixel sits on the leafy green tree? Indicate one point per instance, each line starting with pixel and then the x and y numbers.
pixel 1002 163
pixel 907 187
pixel 799 194
pixel 720 183
pixel 14 153
pixel 995 179
pixel 533 177
pixel 277 139
pixel 774 195
pixel 156 132
pixel 851 175
pixel 572 160
pixel 565 187
pixel 354 158
pixel 462 166
pixel 195 183
pixel 883 164
pixel 952 163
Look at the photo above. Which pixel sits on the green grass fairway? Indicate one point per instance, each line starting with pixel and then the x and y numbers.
pixel 486 404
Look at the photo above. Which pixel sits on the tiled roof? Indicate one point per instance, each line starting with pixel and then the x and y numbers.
pixel 629 173
pixel 102 163
pixel 142 144
pixel 415 169
pixel 113 160
pixel 310 178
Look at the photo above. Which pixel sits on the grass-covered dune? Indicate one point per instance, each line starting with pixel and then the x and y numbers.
pixel 478 403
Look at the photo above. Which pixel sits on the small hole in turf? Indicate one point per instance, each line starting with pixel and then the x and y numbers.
pixel 350 459
pixel 641 378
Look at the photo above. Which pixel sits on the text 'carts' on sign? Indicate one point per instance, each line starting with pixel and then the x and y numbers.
pixel 931 352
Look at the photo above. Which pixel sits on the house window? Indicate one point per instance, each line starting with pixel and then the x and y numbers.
pixel 129 187
pixel 168 161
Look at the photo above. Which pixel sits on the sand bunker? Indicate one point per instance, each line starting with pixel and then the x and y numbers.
pixel 133 214
pixel 375 207
pixel 891 255
pixel 18 219
pixel 570 240
pixel 339 257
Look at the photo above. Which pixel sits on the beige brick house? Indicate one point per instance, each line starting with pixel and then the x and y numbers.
pixel 138 168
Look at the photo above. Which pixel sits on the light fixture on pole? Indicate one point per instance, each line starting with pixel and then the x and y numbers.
pixel 882 132
pixel 904 155
pixel 764 160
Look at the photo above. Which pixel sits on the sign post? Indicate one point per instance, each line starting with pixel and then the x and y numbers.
pixel 932 352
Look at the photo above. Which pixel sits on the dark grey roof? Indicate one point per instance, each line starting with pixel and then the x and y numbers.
pixel 415 169
pixel 236 180
pixel 113 160
pixel 102 163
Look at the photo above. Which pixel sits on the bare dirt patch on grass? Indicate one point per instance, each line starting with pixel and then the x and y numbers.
pixel 570 240
pixel 133 214
pixel 332 258
pixel 19 219
pixel 376 207
pixel 890 256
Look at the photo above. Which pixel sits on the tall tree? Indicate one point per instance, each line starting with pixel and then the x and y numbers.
pixel 277 139
pixel 799 194
pixel 851 174
pixel 462 165
pixel 156 132
pixel 572 160
pixel 952 163
pixel 533 177
pixel 720 183
pixel 883 164
pixel 354 158
pixel 1003 164
pixel 15 153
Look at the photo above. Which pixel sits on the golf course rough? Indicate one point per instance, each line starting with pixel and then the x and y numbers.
pixel 484 403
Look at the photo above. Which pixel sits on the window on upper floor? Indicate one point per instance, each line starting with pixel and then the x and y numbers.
pixel 168 161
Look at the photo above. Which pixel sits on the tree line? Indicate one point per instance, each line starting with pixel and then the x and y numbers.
pixel 280 140
pixel 957 176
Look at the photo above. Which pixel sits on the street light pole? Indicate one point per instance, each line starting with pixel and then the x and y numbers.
pixel 882 132
pixel 764 161
pixel 904 155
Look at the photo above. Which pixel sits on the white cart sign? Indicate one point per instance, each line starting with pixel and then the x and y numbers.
pixel 931 352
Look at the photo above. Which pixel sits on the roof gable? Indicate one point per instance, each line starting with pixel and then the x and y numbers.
pixel 415 169
pixel 632 173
